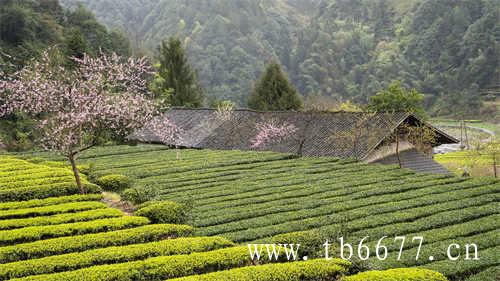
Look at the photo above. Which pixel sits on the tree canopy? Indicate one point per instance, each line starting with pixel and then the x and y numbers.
pixel 176 77
pixel 274 92
pixel 398 99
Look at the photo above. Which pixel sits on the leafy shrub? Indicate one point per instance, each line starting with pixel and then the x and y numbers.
pixel 164 212
pixel 159 268
pixel 51 210
pixel 84 168
pixel 78 243
pixel 114 182
pixel 310 242
pixel 61 218
pixel 30 192
pixel 400 274
pixel 139 195
pixel 312 270
pixel 49 201
pixel 109 255
pixel 33 233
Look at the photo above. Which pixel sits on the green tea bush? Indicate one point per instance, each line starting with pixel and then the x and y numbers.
pixel 400 274
pixel 113 182
pixel 51 210
pixel 61 218
pixel 77 243
pixel 49 201
pixel 164 212
pixel 312 270
pixel 139 195
pixel 489 274
pixel 33 233
pixel 110 255
pixel 310 242
pixel 30 192
pixel 158 268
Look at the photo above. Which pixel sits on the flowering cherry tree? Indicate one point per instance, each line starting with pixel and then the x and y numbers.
pixel 76 108
pixel 271 131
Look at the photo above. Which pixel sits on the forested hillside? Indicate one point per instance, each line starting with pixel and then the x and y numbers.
pixel 343 49
pixel 28 27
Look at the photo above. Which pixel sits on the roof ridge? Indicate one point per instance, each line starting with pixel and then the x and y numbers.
pixel 288 111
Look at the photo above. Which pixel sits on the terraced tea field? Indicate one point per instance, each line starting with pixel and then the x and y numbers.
pixel 253 197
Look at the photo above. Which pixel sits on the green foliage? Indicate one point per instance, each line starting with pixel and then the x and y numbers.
pixel 341 49
pixel 79 216
pixel 398 99
pixel 158 268
pixel 78 243
pixel 400 274
pixel 164 212
pixel 51 210
pixel 29 27
pixel 313 270
pixel 22 180
pixel 310 242
pixel 113 182
pixel 75 45
pixel 176 75
pixel 138 195
pixel 274 92
pixel 49 201
pixel 109 255
pixel 33 233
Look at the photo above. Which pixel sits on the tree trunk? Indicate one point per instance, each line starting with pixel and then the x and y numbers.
pixel 71 158
pixel 495 165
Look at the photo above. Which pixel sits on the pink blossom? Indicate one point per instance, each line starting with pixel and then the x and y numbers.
pixel 271 131
pixel 74 107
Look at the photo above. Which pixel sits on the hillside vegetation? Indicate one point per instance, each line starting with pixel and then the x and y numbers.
pixel 337 48
pixel 250 196
pixel 60 235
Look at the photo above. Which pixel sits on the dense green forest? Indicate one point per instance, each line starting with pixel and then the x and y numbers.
pixel 28 27
pixel 343 49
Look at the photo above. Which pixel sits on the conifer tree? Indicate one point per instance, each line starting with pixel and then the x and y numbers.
pixel 176 76
pixel 274 92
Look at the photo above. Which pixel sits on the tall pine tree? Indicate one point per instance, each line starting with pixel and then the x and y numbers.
pixel 176 76
pixel 274 92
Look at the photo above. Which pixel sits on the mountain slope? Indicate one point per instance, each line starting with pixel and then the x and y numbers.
pixel 339 48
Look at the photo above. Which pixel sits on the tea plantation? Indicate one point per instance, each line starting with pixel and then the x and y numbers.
pixel 238 197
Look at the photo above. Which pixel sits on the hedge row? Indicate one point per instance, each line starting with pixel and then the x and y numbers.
pixel 111 255
pixel 157 268
pixel 184 181
pixel 51 210
pixel 36 182
pixel 222 158
pixel 489 274
pixel 339 196
pixel 306 219
pixel 49 201
pixel 392 223
pixel 312 270
pixel 244 193
pixel 400 274
pixel 310 205
pixel 211 192
pixel 61 218
pixel 45 191
pixel 457 269
pixel 78 243
pixel 437 249
pixel 40 175
pixel 28 234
